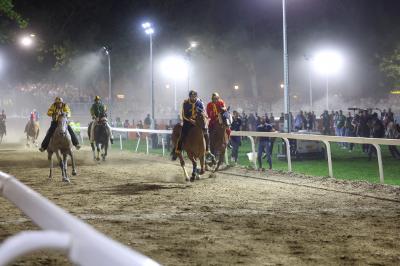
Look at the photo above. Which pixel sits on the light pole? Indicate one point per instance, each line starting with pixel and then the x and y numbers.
pixel 188 50
pixel 328 63
pixel 150 31
pixel 309 61
pixel 287 125
pixel 107 52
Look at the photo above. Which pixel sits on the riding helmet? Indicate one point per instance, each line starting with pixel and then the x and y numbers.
pixel 97 98
pixel 58 100
pixel 192 92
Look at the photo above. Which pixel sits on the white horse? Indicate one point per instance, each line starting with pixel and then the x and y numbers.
pixel 61 144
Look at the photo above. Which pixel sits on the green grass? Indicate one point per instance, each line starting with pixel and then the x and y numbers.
pixel 349 166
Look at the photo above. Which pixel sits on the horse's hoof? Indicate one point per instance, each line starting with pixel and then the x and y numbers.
pixel 197 177
pixel 66 180
pixel 73 172
pixel 97 159
pixel 187 178
pixel 192 179
pixel 202 172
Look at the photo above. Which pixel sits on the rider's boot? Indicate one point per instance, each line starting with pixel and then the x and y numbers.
pixel 209 156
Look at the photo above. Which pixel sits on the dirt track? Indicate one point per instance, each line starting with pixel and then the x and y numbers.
pixel 143 202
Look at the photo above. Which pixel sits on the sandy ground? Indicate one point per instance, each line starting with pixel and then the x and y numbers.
pixel 237 217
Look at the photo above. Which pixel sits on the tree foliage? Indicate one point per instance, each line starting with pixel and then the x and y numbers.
pixel 390 65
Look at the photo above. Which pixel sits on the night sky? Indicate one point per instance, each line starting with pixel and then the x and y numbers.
pixel 365 29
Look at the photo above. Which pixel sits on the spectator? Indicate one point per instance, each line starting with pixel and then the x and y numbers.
pixel 299 121
pixel 349 131
pixel 235 140
pixel 326 125
pixel 148 122
pixel 264 143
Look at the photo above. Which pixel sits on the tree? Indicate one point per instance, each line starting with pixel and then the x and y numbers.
pixel 390 66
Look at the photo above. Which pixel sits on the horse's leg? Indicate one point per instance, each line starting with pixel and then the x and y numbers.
pixel 221 155
pixel 50 158
pixel 65 165
pixel 93 151
pixel 194 169
pixel 182 161
pixel 105 150
pixel 72 162
pixel 202 170
pixel 98 151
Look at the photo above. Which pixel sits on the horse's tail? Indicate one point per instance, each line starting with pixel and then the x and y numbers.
pixel 176 134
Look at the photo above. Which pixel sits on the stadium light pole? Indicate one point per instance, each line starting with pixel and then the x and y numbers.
pixel 328 63
pixel 287 126
pixel 188 50
pixel 107 52
pixel 309 62
pixel 148 29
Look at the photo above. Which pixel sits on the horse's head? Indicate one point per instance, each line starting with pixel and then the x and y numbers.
pixel 225 118
pixel 201 120
pixel 62 124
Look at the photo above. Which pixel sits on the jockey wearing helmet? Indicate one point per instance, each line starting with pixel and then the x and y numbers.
pixel 190 108
pixel 57 108
pixel 98 111
pixel 214 109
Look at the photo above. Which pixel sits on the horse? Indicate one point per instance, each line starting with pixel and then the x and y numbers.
pixel 32 132
pixel 101 137
pixel 2 130
pixel 219 137
pixel 61 144
pixel 194 145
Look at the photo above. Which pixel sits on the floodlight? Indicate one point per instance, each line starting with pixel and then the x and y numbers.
pixel 328 62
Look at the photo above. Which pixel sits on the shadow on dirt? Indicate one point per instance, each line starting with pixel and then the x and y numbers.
pixel 136 188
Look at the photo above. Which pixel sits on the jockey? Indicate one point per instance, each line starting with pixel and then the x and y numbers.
pixel 190 108
pixel 3 116
pixel 98 110
pixel 54 111
pixel 214 109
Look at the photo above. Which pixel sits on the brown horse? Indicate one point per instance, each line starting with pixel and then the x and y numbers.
pixel 194 145
pixel 219 138
pixel 61 144
pixel 32 132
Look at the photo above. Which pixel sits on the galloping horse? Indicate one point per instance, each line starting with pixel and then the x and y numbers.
pixel 101 137
pixel 194 145
pixel 32 132
pixel 219 137
pixel 61 144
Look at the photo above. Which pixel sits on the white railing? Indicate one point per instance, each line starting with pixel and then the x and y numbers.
pixel 61 231
pixel 286 136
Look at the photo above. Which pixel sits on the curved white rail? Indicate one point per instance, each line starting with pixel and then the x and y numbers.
pixel 86 246
pixel 286 136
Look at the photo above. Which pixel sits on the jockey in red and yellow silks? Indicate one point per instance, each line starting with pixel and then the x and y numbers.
pixel 214 109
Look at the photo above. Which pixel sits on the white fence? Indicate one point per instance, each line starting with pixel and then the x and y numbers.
pixel 286 136
pixel 62 231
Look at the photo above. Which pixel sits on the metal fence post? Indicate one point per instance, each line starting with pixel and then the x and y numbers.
pixel 289 158
pixel 379 154
pixel 226 156
pixel 328 153
pixel 120 142
pixel 147 145
pixel 253 150
pixel 163 146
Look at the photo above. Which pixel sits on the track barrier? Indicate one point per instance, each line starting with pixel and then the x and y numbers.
pixel 61 231
pixel 376 142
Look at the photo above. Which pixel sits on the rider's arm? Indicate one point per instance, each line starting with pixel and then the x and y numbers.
pixel 183 113
pixel 67 110
pixel 51 110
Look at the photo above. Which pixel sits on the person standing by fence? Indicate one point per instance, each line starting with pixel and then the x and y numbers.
pixel 264 143
pixel 235 140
